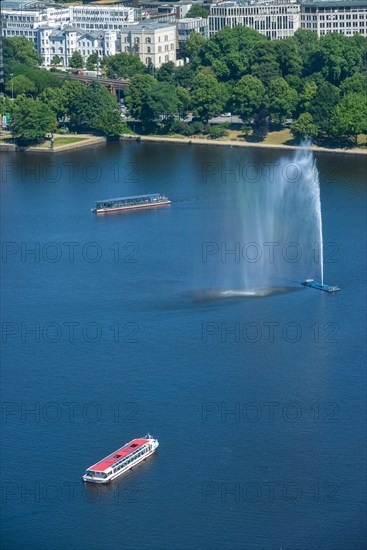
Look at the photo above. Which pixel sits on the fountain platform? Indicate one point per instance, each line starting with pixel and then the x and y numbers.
pixel 314 284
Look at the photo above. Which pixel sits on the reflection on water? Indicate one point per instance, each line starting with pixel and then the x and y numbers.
pixel 246 293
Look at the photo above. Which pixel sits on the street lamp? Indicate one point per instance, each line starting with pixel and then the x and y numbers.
pixel 12 86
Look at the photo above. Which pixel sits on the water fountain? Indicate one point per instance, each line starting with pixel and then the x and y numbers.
pixel 275 215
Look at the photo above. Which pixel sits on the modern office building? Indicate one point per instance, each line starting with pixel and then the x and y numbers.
pixel 273 18
pixel 185 27
pixel 326 16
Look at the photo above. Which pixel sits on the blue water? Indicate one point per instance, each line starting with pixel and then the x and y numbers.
pixel 258 401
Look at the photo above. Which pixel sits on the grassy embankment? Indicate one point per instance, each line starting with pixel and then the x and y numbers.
pixel 276 137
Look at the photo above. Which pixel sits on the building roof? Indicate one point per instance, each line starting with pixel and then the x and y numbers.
pixel 334 3
pixel 118 455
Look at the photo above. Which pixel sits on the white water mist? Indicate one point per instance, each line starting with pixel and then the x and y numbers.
pixel 275 219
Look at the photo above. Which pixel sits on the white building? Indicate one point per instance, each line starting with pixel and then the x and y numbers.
pixel 25 18
pixel 61 30
pixel 21 19
pixel 154 43
pixel 273 18
pixel 64 42
pixel 101 17
pixel 326 16
pixel 189 25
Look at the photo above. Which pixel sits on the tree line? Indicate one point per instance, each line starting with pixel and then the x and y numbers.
pixel 319 83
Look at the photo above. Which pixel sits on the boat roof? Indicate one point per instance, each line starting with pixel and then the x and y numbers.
pixel 131 197
pixel 114 457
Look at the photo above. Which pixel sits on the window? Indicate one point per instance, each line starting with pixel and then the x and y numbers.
pixel 148 40
pixel 148 49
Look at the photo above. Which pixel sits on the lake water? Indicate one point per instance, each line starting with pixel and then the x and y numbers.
pixel 115 326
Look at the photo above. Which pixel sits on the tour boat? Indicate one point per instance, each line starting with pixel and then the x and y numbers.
pixel 314 284
pixel 122 460
pixel 130 203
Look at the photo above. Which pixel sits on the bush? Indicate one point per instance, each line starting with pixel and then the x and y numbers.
pixel 63 130
pixel 180 127
pixel 217 131
pixel 196 128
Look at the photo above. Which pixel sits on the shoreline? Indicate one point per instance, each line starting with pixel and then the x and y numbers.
pixel 89 140
pixel 86 140
pixel 232 143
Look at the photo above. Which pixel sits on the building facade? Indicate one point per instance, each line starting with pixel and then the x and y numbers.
pixel 278 19
pixel 272 18
pixel 187 26
pixel 64 42
pixel 106 30
pixel 347 17
pixel 154 43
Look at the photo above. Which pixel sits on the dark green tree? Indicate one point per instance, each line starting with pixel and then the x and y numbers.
pixel 76 60
pixel 248 97
pixel 308 45
pixel 124 65
pixel 166 72
pixel 265 66
pixel 56 60
pixel 354 84
pixel 20 84
pixel 338 57
pixel 40 77
pixel 19 49
pixel 350 117
pixel 55 99
pixel 282 100
pixel 207 96
pixel 197 10
pixel 136 96
pixel 307 94
pixel 194 46
pixel 71 91
pixel 161 104
pixel 230 51
pixel 261 125
pixel 32 120
pixel 323 104
pixel 304 127
pixel 93 58
pixel 109 122
pixel 288 57
pixel 184 101
pixel 86 110
pixel 184 75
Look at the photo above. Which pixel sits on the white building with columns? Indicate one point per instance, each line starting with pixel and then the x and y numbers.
pixel 64 42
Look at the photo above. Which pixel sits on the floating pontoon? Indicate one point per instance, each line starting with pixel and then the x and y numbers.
pixel 314 284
